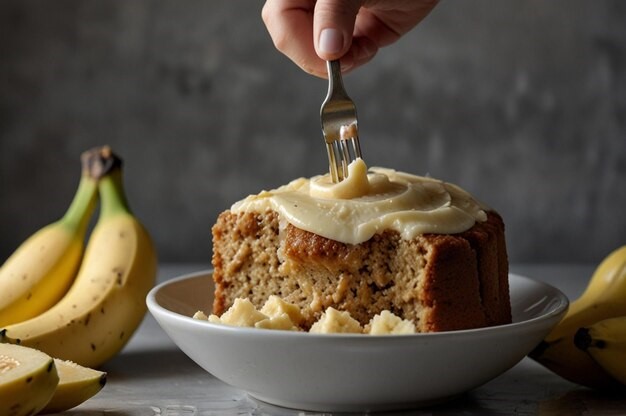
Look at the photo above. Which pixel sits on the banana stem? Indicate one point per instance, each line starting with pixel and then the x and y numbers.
pixel 78 215
pixel 112 198
pixel 97 163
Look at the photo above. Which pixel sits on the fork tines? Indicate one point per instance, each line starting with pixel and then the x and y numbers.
pixel 342 151
pixel 339 125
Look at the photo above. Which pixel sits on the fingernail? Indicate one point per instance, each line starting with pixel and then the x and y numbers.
pixel 331 41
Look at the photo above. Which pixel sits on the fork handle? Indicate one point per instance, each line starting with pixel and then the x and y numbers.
pixel 335 82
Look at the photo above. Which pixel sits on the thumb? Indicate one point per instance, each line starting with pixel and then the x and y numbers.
pixel 333 25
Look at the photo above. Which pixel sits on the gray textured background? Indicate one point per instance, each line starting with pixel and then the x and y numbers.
pixel 523 103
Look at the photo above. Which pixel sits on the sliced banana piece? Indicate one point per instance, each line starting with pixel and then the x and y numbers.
pixel 28 379
pixel 76 385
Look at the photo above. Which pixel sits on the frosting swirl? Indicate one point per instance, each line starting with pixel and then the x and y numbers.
pixel 369 202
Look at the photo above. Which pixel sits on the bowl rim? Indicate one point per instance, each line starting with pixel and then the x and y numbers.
pixel 557 308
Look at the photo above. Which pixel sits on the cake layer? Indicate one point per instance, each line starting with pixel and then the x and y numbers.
pixel 439 281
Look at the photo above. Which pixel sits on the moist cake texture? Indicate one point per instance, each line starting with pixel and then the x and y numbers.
pixel 441 281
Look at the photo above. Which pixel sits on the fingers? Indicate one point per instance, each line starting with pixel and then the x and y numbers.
pixel 333 26
pixel 290 25
pixel 363 49
pixel 311 32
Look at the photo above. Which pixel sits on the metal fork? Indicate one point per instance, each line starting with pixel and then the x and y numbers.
pixel 339 125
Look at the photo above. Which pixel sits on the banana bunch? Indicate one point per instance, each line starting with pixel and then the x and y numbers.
pixel 588 346
pixel 92 319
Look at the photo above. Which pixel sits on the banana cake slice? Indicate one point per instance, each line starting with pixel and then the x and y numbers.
pixel 421 248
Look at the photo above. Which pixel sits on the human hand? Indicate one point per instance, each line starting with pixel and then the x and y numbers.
pixel 311 32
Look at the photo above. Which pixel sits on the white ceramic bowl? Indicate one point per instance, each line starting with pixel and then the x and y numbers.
pixel 353 372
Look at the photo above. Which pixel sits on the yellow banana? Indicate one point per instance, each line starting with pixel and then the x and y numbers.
pixel 606 342
pixel 28 379
pixel 42 269
pixel 604 297
pixel 106 303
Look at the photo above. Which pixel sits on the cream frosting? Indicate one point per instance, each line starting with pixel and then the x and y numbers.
pixel 368 202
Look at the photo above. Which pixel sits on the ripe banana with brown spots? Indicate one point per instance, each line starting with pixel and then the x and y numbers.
pixel 106 303
pixel 43 267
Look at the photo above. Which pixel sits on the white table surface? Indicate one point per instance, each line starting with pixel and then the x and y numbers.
pixel 151 376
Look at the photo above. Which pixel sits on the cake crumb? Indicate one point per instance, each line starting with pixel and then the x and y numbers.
pixel 386 323
pixel 276 307
pixel 242 313
pixel 201 316
pixel 275 314
pixel 336 322
pixel 281 322
pixel 278 314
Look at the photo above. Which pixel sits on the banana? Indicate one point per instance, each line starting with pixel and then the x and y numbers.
pixel 43 267
pixel 76 384
pixel 106 302
pixel 606 342
pixel 28 379
pixel 604 297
